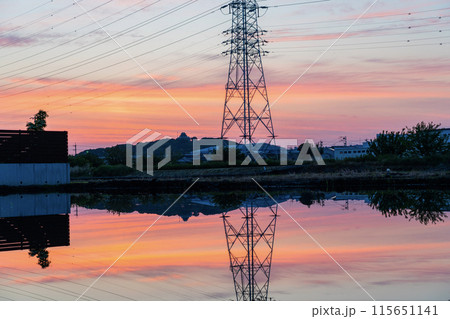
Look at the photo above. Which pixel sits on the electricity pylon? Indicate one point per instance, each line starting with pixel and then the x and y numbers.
pixel 246 101
pixel 250 248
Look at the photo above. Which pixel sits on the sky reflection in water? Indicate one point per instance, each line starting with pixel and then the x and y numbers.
pixel 396 244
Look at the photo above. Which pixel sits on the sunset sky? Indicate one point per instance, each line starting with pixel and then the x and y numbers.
pixel 390 70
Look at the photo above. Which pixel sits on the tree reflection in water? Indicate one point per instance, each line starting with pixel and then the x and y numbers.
pixel 42 254
pixel 423 206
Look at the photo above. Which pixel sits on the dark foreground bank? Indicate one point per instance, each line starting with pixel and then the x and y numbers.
pixel 344 180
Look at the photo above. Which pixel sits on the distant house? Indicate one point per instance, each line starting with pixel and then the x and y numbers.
pixel 445 132
pixel 189 157
pixel 33 158
pixel 350 151
pixel 345 151
pixel 328 153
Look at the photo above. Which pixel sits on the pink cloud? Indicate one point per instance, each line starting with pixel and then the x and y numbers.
pixel 14 41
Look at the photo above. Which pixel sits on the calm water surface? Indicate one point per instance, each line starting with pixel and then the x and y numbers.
pixel 395 244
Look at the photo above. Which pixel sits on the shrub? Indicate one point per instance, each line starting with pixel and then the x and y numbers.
pixel 78 171
pixel 85 159
pixel 112 170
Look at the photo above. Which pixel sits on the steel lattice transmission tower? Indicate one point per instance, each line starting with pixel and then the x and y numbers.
pixel 246 101
pixel 250 248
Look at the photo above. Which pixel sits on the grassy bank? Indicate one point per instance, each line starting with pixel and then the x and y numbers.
pixel 367 165
pixel 366 173
pixel 339 180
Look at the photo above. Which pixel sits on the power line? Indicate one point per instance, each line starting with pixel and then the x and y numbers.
pixel 36 20
pixel 366 43
pixel 21 294
pixel 72 282
pixel 383 35
pixel 370 31
pixel 371 17
pixel 33 35
pixel 358 25
pixel 117 91
pixel 369 35
pixel 28 292
pixel 293 4
pixel 379 47
pixel 82 49
pixel 112 52
pixel 72 78
pixel 79 37
pixel 41 285
pixel 92 45
pixel 389 41
pixel 113 92
pixel 51 60
pixel 26 12
pixel 147 62
pixel 121 90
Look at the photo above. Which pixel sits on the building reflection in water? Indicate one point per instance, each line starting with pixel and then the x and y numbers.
pixel 34 222
pixel 250 235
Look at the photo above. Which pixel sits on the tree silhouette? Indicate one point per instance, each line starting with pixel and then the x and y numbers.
pixel 116 155
pixel 390 143
pixel 423 139
pixel 426 139
pixel 39 121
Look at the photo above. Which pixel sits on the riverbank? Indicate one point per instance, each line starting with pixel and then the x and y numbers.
pixel 242 179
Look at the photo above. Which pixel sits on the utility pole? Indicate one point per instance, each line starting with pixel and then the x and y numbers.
pixel 75 149
pixel 246 99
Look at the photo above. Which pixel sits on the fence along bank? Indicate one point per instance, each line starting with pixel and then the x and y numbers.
pixel 33 158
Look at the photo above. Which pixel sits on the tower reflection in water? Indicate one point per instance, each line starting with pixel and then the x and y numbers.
pixel 250 236
pixel 34 222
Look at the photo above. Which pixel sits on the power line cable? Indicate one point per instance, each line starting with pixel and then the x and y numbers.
pixel 147 62
pixel 358 25
pixel 86 47
pixel 51 60
pixel 411 27
pixel 113 52
pixel 367 36
pixel 379 47
pixel 76 30
pixel 28 292
pixel 366 43
pixel 36 20
pixel 86 61
pixel 26 12
pixel 40 285
pixel 34 35
pixel 372 17
pixel 293 4
pixel 132 44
